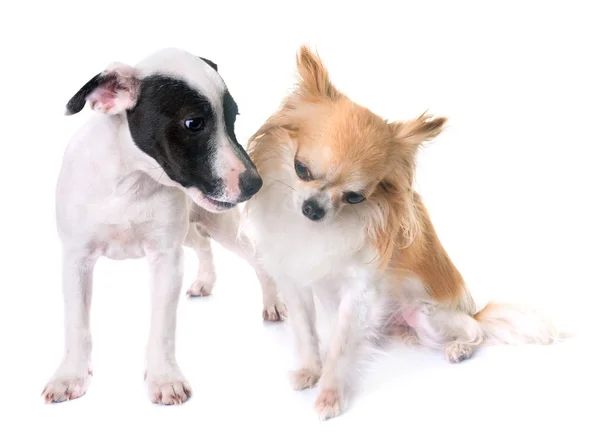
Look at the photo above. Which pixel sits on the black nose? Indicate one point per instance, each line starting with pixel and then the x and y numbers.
pixel 312 210
pixel 250 183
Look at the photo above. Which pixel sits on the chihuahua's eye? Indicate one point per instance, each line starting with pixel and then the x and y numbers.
pixel 353 197
pixel 195 124
pixel 302 171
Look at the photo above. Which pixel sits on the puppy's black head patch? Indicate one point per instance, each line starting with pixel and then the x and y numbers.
pixel 176 125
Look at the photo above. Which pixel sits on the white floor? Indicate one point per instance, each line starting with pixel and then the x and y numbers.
pixel 238 368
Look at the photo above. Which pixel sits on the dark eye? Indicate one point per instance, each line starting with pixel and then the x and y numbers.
pixel 195 124
pixel 302 171
pixel 353 197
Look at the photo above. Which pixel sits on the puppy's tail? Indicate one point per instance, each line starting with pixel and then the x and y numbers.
pixel 512 324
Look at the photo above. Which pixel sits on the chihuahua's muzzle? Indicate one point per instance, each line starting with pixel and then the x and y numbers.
pixel 312 209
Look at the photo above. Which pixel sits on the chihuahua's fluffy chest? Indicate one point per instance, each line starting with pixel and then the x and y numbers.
pixel 321 256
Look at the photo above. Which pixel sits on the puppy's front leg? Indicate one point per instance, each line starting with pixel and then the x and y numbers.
pixel 71 379
pixel 357 315
pixel 224 229
pixel 166 383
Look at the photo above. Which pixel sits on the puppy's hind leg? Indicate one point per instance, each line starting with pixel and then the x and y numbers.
pixel 71 379
pixel 199 241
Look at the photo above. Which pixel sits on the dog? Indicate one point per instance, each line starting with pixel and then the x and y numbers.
pixel 157 167
pixel 338 222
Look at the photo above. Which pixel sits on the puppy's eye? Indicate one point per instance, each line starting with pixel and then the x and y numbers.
pixel 353 197
pixel 302 171
pixel 195 124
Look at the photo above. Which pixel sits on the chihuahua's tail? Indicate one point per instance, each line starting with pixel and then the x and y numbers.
pixel 513 324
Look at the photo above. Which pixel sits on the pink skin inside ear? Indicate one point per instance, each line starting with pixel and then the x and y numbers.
pixel 104 97
pixel 114 95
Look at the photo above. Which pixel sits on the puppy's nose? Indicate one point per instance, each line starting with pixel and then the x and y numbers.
pixel 312 210
pixel 250 184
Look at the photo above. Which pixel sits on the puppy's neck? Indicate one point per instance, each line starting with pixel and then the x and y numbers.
pixel 133 162
pixel 104 153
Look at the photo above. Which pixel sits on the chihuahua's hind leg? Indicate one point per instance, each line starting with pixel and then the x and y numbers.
pixel 455 332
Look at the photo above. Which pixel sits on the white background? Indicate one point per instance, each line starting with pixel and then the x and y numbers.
pixel 512 187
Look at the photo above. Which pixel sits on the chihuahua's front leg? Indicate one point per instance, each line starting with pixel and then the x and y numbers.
pixel 71 379
pixel 302 317
pixel 166 383
pixel 358 315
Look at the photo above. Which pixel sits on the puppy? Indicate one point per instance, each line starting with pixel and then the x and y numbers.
pixel 157 167
pixel 338 221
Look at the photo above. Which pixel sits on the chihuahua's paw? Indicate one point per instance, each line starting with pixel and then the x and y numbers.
pixel 328 404
pixel 201 288
pixel 66 385
pixel 168 388
pixel 304 378
pixel 457 352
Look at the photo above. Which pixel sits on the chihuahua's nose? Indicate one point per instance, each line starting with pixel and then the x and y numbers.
pixel 250 184
pixel 312 210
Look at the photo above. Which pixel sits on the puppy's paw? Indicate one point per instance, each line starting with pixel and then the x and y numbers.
pixel 66 385
pixel 457 352
pixel 168 388
pixel 328 403
pixel 304 378
pixel 201 288
pixel 275 312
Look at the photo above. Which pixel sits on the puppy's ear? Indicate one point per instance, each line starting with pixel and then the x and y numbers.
pixel 313 76
pixel 417 131
pixel 210 63
pixel 112 91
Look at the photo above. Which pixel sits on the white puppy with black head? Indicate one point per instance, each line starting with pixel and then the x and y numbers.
pixel 158 167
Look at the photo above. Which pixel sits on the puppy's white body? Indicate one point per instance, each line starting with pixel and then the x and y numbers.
pixel 106 206
pixel 118 209
pixel 115 200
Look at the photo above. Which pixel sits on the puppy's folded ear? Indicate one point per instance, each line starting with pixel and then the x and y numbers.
pixel 210 63
pixel 417 131
pixel 111 92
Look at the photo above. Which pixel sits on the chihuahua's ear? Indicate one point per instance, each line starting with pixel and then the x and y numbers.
pixel 112 91
pixel 313 76
pixel 278 125
pixel 417 131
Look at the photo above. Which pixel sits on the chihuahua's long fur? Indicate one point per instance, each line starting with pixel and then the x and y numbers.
pixel 338 220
